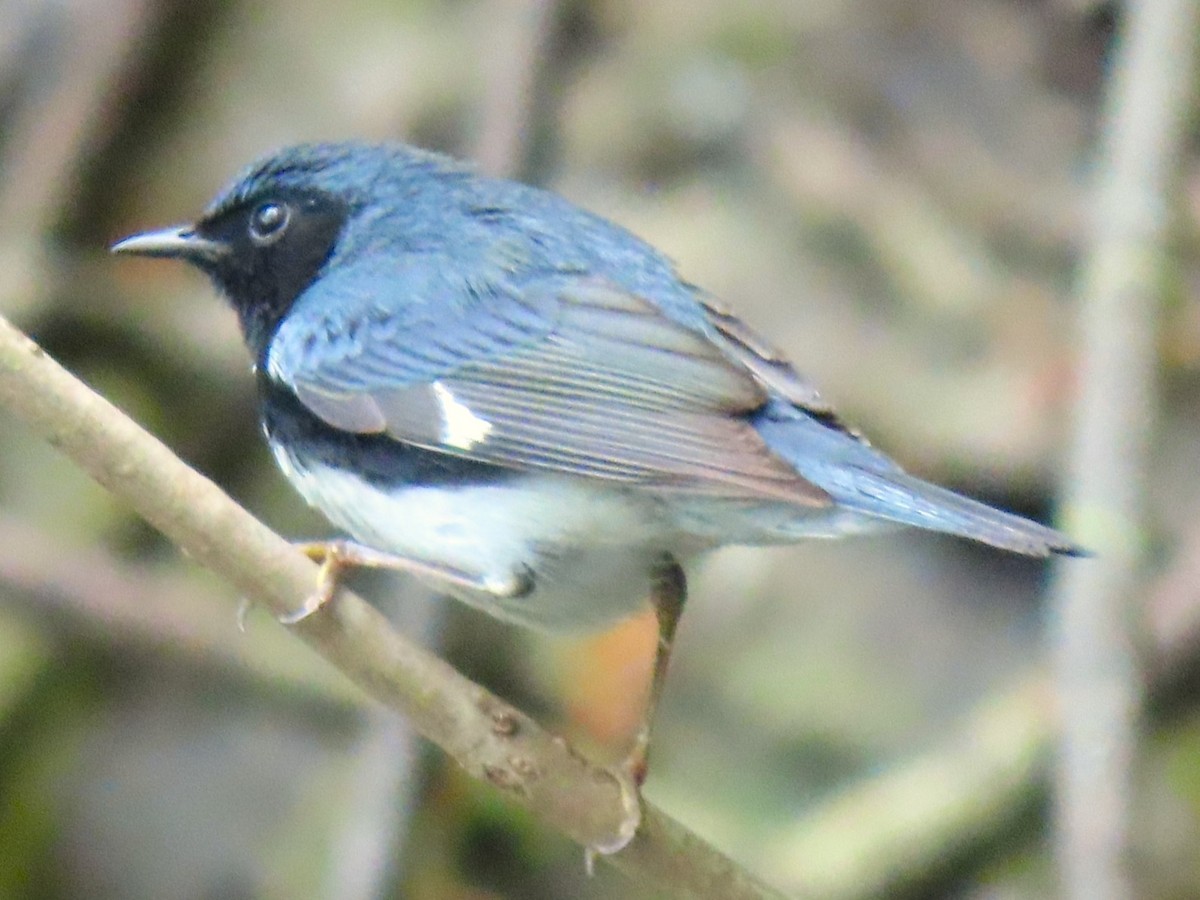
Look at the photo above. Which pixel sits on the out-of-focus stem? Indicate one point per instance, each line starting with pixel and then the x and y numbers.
pixel 1099 687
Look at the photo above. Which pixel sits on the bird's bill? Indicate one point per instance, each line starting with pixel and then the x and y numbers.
pixel 178 242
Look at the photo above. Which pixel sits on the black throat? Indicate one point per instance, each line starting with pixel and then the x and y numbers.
pixel 263 282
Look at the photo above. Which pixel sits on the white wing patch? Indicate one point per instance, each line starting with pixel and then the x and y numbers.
pixel 461 428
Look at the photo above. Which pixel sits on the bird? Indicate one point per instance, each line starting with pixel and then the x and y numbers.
pixel 522 403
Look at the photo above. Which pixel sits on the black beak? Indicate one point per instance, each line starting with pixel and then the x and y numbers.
pixel 180 242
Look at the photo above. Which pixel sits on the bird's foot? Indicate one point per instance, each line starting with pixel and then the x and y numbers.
pixel 629 774
pixel 334 558
pixel 337 556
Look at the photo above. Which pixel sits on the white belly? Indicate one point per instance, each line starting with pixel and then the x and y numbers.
pixel 592 552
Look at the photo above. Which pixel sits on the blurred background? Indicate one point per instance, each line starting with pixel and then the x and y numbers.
pixel 893 191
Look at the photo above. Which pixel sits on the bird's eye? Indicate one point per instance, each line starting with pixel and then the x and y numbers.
pixel 268 222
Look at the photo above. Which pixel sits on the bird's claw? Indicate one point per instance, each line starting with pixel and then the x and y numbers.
pixel 628 775
pixel 331 558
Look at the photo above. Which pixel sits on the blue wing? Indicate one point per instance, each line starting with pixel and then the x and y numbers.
pixel 564 373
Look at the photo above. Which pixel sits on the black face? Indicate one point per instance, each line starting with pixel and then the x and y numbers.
pixel 269 250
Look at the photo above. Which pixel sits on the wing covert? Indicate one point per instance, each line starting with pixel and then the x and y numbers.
pixel 568 375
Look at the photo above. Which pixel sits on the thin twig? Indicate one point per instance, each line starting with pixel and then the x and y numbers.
pixel 128 606
pixel 912 823
pixel 516 81
pixel 77 51
pixel 490 739
pixel 379 801
pixel 133 607
pixel 1098 685
pixel 909 823
pixel 896 829
pixel 59 65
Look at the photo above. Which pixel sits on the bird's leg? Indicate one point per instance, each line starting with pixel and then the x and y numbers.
pixel 667 597
pixel 336 557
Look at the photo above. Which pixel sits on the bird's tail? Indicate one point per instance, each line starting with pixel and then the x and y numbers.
pixel 863 481
pixel 896 496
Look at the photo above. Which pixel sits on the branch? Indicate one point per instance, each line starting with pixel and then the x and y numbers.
pixel 917 821
pixel 1119 286
pixel 517 81
pixel 142 609
pixel 908 827
pixel 490 739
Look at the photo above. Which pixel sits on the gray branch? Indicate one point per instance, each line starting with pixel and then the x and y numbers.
pixel 490 739
pixel 1099 690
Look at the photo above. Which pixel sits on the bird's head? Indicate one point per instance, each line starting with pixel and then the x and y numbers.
pixel 267 236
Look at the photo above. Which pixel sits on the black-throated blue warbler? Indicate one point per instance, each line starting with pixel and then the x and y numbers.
pixel 522 402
